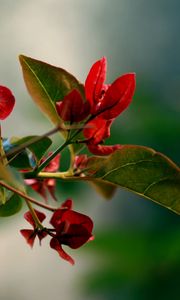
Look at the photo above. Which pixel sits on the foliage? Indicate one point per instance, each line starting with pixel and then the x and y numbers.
pixel 83 115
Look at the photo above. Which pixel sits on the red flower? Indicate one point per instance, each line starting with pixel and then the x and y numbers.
pixel 30 234
pixel 73 108
pixel 41 186
pixel 72 229
pixel 108 100
pixel 7 102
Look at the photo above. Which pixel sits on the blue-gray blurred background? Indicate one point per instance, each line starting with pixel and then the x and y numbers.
pixel 136 252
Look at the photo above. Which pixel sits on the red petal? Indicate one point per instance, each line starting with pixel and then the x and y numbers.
pixel 56 218
pixel 102 149
pixel 41 216
pixel 29 236
pixel 95 80
pixel 38 186
pixel 7 102
pixel 98 129
pixel 67 204
pixel 54 244
pixel 72 108
pixel 80 161
pixel 76 236
pixel 73 217
pixel 51 188
pixel 118 96
pixel 53 166
pixel 41 234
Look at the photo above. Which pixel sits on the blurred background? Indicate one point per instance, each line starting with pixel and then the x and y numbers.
pixel 136 252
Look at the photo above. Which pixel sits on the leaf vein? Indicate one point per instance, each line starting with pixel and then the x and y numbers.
pixel 125 165
pixel 154 183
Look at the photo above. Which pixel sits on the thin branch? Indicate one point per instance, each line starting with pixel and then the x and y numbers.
pixel 33 141
pixel 26 197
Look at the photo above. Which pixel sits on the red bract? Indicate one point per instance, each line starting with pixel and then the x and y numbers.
pixel 80 161
pixel 117 97
pixel 96 133
pixel 95 81
pixel 72 229
pixel 72 108
pixel 41 186
pixel 101 150
pixel 30 234
pixel 108 100
pixel 7 102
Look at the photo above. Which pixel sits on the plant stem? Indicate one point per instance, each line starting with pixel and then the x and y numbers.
pixel 34 215
pixel 49 158
pixel 26 197
pixel 32 141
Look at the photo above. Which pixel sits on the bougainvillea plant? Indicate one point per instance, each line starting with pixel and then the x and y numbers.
pixel 82 114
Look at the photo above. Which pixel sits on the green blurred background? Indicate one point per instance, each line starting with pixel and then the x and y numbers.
pixel 136 252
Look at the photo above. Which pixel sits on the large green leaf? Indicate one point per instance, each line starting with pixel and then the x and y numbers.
pixel 47 84
pixel 11 207
pixel 140 170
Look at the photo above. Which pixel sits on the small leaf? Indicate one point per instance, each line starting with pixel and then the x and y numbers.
pixel 24 160
pixel 142 171
pixel 48 84
pixel 11 207
pixel 20 161
pixel 38 148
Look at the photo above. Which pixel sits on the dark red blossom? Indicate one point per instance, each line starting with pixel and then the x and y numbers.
pixel 30 234
pixel 72 108
pixel 41 186
pixel 72 229
pixel 7 102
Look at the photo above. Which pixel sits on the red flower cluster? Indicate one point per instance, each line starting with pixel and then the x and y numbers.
pixel 7 102
pixel 102 105
pixel 49 184
pixel 30 234
pixel 70 228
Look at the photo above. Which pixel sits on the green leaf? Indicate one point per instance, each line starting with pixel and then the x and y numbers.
pixel 11 207
pixel 38 148
pixel 47 84
pixel 142 171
